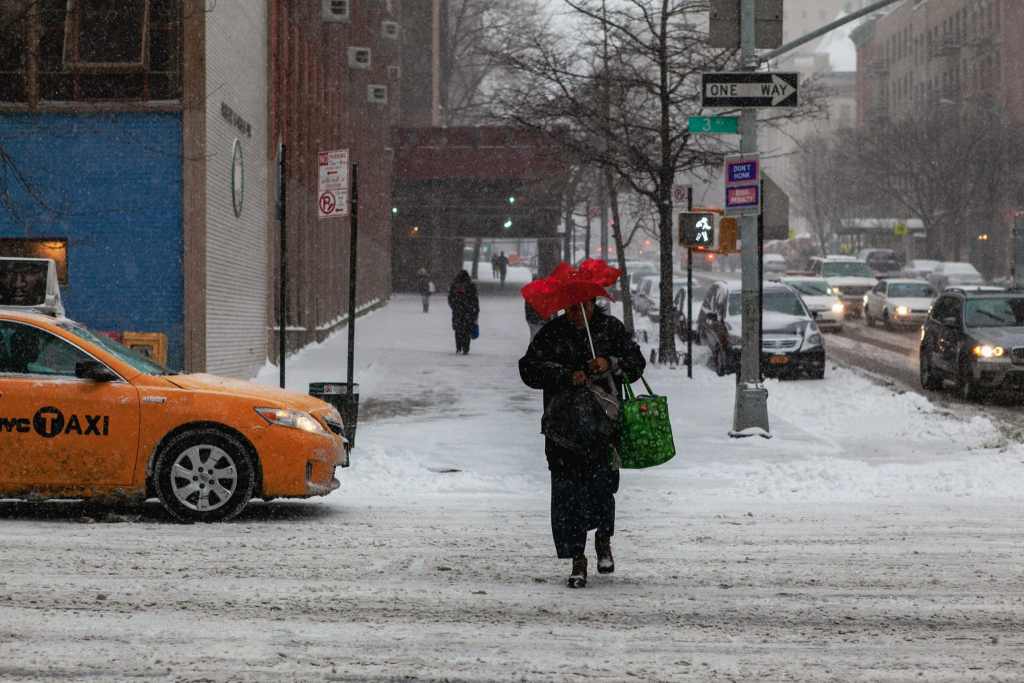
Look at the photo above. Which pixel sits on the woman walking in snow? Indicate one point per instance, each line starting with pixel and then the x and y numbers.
pixel 465 305
pixel 425 287
pixel 583 480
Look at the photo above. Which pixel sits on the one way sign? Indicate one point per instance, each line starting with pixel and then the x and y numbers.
pixel 748 89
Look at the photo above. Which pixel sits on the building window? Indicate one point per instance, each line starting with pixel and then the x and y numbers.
pixel 106 35
pixel 90 50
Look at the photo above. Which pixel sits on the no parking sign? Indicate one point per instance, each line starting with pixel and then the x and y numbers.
pixel 332 194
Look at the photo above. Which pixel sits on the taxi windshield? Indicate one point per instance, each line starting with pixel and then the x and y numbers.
pixel 123 353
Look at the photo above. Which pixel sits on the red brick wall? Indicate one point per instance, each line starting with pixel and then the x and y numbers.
pixel 318 103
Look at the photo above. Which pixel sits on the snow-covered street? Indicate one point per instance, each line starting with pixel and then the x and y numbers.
pixel 875 537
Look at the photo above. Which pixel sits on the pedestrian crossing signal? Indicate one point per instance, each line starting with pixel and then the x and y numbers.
pixel 698 230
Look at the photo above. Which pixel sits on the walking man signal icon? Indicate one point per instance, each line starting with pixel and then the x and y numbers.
pixel 704 230
pixel 698 229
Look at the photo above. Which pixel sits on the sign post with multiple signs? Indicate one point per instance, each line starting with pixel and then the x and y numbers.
pixel 332 191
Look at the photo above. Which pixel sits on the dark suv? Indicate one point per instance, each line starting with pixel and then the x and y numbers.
pixel 975 339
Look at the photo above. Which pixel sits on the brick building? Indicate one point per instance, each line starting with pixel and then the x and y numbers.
pixel 335 85
pixel 929 52
pixel 139 142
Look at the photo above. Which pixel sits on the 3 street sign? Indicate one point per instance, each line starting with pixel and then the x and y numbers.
pixel 729 125
pixel 749 89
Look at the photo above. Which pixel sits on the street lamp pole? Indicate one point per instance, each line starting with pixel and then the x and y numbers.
pixel 750 415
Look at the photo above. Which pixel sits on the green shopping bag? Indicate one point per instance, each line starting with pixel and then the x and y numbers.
pixel 646 429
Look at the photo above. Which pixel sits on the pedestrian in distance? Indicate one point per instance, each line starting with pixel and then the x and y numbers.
pixel 502 267
pixel 584 480
pixel 465 305
pixel 425 286
pixel 494 266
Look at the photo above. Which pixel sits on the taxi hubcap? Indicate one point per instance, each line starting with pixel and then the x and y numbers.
pixel 203 478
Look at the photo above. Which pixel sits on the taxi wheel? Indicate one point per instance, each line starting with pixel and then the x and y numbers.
pixel 204 475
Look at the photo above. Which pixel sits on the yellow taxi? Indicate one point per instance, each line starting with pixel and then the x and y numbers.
pixel 83 417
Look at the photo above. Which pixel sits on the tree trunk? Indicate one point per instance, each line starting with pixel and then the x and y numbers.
pixel 477 245
pixel 667 172
pixel 620 251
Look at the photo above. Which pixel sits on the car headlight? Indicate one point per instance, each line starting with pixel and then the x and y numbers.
pixel 296 419
pixel 903 310
pixel 865 299
pixel 837 291
pixel 988 351
pixel 838 307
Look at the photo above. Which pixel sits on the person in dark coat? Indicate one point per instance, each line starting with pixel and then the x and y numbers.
pixel 582 486
pixel 425 287
pixel 502 267
pixel 465 305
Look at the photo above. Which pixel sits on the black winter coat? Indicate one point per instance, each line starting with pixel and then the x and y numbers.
pixel 465 304
pixel 560 349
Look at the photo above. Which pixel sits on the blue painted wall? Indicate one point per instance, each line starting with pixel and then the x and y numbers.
pixel 111 185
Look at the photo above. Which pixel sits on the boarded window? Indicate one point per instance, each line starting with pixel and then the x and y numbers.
pixel 106 35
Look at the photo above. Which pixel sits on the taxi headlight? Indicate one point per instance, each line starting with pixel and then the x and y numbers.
pixel 988 351
pixel 296 419
pixel 837 291
pixel 838 307
pixel 903 310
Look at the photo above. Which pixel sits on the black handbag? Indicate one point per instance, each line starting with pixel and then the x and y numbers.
pixel 583 420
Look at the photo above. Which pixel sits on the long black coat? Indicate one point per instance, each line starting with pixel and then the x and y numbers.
pixel 560 349
pixel 465 304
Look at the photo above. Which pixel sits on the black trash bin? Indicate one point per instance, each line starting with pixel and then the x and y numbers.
pixel 336 393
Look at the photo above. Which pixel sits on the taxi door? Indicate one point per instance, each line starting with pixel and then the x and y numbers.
pixel 56 429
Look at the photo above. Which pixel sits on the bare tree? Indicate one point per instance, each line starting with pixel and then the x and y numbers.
pixel 473 34
pixel 825 195
pixel 619 92
pixel 946 166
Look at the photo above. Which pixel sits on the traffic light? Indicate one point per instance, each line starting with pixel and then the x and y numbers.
pixel 511 199
pixel 728 235
pixel 698 230
pixel 507 224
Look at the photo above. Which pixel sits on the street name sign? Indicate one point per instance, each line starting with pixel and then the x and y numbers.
pixel 749 89
pixel 728 125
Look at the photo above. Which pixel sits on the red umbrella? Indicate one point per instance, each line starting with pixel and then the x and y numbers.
pixel 568 286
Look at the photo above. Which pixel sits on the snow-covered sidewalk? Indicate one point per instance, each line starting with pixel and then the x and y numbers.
pixel 874 537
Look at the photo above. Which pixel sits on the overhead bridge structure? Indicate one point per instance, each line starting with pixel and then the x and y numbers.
pixel 453 186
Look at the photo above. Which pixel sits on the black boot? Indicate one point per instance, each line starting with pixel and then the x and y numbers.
pixel 578 578
pixel 605 561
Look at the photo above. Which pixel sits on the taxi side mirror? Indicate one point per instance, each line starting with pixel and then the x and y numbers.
pixel 94 370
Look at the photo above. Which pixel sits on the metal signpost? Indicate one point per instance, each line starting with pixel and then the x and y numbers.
pixel 282 304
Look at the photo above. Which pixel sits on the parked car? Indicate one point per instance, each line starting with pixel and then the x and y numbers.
pixel 976 340
pixel 792 344
pixel 898 302
pixel 920 268
pixel 774 265
pixel 848 277
pixel 647 300
pixel 954 274
pixel 638 270
pixel 826 306
pixel 680 304
pixel 881 261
